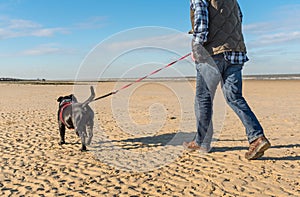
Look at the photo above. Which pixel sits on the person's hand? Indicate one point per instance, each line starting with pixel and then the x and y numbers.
pixel 199 54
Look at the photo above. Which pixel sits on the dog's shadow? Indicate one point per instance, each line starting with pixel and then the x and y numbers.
pixel 72 143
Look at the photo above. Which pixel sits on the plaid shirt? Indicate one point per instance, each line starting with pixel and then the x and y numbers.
pixel 200 8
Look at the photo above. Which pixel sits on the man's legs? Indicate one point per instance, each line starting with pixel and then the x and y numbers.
pixel 232 89
pixel 208 78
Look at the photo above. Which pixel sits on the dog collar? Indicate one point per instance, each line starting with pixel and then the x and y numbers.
pixel 63 102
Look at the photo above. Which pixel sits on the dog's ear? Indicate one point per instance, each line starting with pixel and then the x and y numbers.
pixel 60 99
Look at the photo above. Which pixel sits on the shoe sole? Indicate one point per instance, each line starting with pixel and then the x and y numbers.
pixel 260 151
pixel 191 149
pixel 203 151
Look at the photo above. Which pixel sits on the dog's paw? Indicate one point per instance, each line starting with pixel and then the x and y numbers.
pixel 83 149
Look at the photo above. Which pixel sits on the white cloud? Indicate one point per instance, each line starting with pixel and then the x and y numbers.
pixel 13 28
pixel 41 50
pixel 140 37
pixel 284 18
pixel 282 29
pixel 258 28
pixel 46 32
pixel 91 23
pixel 275 39
pixel 21 24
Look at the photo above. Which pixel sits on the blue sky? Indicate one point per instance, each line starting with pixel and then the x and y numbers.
pixel 50 38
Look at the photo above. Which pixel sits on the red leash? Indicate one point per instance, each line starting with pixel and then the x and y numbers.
pixel 142 78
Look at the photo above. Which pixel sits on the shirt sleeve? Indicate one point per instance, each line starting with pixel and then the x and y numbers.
pixel 200 8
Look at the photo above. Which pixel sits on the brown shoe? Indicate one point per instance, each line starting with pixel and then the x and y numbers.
pixel 192 146
pixel 257 148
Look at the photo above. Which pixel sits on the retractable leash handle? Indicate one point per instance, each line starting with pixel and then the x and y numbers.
pixel 142 78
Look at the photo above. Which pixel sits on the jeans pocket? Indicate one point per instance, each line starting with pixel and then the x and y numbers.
pixel 198 67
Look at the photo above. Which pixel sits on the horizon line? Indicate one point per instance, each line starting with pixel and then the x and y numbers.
pixel 246 76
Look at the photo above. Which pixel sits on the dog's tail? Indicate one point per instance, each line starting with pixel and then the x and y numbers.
pixel 90 99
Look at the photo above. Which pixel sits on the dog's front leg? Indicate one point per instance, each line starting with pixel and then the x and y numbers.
pixel 62 131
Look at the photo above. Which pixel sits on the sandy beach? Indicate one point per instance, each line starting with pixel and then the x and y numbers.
pixel 136 150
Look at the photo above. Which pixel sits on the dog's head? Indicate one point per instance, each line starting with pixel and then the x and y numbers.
pixel 69 98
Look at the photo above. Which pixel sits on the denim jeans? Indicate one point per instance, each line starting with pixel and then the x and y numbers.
pixel 230 76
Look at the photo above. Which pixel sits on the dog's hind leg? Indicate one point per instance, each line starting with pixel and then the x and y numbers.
pixel 82 134
pixel 83 146
pixel 89 129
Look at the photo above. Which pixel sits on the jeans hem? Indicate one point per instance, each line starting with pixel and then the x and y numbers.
pixel 254 138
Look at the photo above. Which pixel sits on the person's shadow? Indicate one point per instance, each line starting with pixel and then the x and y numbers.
pixel 173 139
pixel 283 146
pixel 288 158
pixel 177 139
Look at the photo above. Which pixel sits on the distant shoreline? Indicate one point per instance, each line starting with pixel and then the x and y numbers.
pixel 4 80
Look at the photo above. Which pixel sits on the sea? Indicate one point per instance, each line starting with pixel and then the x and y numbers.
pixel 189 78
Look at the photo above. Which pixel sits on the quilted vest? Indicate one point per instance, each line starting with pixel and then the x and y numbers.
pixel 225 27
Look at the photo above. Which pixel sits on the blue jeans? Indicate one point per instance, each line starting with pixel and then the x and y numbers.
pixel 230 76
